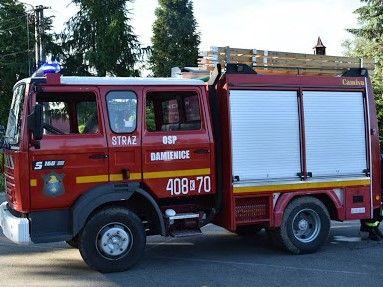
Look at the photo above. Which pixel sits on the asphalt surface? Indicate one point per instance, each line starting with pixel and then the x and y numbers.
pixel 216 258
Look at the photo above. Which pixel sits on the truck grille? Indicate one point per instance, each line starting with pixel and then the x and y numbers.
pixel 250 210
pixel 10 183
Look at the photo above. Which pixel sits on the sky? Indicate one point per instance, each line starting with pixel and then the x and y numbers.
pixel 275 25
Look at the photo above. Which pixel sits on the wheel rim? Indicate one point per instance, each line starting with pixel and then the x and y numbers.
pixel 306 225
pixel 114 240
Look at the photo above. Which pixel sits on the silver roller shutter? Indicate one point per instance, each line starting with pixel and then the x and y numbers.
pixel 335 133
pixel 265 135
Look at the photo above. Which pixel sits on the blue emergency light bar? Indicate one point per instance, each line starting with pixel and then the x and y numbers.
pixel 48 68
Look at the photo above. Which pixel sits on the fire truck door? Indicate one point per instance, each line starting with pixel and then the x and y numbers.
pixel 123 108
pixel 177 147
pixel 73 153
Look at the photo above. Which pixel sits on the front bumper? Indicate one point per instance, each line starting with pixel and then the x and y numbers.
pixel 14 228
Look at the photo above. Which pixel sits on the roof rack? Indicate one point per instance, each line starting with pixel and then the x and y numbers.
pixel 246 69
pixel 355 72
pixel 273 62
pixel 239 69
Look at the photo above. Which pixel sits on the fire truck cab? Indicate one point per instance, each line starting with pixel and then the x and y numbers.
pixel 104 162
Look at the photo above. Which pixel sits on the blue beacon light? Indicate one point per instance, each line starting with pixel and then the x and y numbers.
pixel 48 68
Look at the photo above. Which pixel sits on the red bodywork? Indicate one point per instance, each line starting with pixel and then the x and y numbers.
pixel 25 185
pixel 270 215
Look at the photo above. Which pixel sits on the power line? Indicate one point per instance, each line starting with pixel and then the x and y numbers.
pixel 20 15
pixel 38 14
pixel 11 28
pixel 28 15
pixel 14 53
pixel 15 18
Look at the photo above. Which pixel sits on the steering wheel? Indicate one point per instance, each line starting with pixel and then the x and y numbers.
pixel 52 129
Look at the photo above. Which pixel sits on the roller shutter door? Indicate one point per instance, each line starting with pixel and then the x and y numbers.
pixel 265 135
pixel 335 133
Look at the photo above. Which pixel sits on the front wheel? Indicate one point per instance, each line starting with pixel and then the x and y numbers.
pixel 305 226
pixel 113 240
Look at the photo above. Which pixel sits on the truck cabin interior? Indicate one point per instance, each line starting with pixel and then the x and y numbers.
pixel 69 113
pixel 168 111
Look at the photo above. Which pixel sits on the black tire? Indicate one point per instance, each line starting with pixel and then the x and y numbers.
pixel 74 242
pixel 93 251
pixel 248 230
pixel 315 217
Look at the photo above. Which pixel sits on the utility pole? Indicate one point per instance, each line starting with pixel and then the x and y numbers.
pixel 38 14
pixel 28 18
pixel 39 31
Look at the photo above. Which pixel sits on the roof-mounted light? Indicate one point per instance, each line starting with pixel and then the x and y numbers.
pixel 48 68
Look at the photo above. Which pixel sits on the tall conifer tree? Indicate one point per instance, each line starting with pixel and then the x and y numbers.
pixel 99 40
pixel 175 39
pixel 368 43
pixel 16 60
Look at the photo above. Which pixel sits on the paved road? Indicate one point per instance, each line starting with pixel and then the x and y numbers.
pixel 217 258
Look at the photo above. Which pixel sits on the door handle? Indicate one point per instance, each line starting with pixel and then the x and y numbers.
pixel 201 151
pixel 98 156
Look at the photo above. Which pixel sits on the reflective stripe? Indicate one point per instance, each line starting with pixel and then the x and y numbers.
pixel 92 179
pixel 303 185
pixel 138 176
pixel 119 177
pixel 176 173
pixel 33 182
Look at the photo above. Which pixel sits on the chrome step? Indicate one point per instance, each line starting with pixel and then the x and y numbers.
pixel 185 232
pixel 181 216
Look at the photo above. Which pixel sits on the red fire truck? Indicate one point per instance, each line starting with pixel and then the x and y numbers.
pixel 104 162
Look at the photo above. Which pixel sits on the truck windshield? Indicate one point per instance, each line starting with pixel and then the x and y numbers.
pixel 12 135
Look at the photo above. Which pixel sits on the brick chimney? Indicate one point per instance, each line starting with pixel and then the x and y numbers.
pixel 319 49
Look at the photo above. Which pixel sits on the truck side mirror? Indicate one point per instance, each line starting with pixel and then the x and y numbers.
pixel 35 122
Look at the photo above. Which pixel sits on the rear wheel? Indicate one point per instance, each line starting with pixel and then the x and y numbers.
pixel 113 240
pixel 305 226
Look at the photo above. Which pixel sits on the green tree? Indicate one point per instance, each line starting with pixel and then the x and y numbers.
pixel 175 39
pixel 100 40
pixel 16 58
pixel 368 43
pixel 13 51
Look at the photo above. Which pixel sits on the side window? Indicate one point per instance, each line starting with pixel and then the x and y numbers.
pixel 150 117
pixel 87 119
pixel 122 111
pixel 14 118
pixel 56 116
pixel 69 113
pixel 192 112
pixel 172 111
